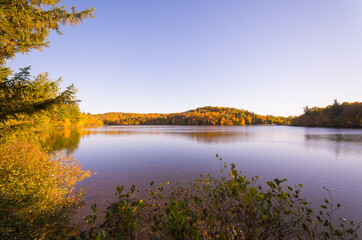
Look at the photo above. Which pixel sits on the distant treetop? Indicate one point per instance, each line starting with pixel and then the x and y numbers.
pixel 337 115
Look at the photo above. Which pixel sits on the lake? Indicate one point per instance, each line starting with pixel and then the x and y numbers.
pixel 314 157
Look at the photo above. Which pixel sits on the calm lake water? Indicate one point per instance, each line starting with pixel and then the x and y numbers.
pixel 315 157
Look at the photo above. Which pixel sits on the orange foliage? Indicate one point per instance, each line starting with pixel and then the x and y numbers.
pixel 199 116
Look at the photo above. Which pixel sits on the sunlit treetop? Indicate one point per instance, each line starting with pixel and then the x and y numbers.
pixel 26 24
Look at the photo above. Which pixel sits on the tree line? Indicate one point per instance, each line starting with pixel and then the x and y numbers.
pixel 222 116
pixel 337 115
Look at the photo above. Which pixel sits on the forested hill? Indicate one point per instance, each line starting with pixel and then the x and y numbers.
pixel 200 116
pixel 345 115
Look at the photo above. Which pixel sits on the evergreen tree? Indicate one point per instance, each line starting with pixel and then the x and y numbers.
pixel 26 24
pixel 20 94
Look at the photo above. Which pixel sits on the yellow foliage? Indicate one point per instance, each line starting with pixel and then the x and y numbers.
pixel 200 116
pixel 36 187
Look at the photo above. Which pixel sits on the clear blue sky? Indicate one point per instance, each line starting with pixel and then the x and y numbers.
pixel 270 57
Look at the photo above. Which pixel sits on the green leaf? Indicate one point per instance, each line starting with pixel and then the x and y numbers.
pixel 284 195
pixel 277 181
pixel 262 196
pixel 120 189
pixel 197 200
pixel 253 191
pixel 246 198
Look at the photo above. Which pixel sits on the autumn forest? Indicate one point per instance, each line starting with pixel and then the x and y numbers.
pixel 344 115
pixel 49 146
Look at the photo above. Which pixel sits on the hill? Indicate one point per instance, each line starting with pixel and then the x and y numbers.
pixel 199 116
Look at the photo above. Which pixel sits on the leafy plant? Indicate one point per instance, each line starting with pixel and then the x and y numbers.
pixel 37 197
pixel 121 218
pixel 230 207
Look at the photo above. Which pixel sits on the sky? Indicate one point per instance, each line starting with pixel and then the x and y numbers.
pixel 269 57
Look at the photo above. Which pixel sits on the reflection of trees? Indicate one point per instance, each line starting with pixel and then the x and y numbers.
pixel 347 143
pixel 357 138
pixel 61 139
pixel 204 135
pixel 215 137
pixel 68 138
pixel 345 115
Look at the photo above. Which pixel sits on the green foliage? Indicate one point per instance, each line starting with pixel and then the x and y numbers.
pixel 121 218
pixel 229 207
pixel 37 197
pixel 326 229
pixel 345 115
pixel 36 188
pixel 26 24
pixel 22 95
pixel 39 101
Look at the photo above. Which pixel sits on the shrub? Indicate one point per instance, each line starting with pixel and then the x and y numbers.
pixel 37 197
pixel 229 207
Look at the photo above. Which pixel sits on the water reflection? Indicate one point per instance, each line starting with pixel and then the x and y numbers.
pixel 68 139
pixel 199 134
pixel 335 140
pixel 61 139
pixel 336 137
pixel 339 143
pixel 315 157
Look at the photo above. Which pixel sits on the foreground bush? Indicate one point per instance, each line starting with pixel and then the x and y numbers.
pixel 37 196
pixel 230 207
